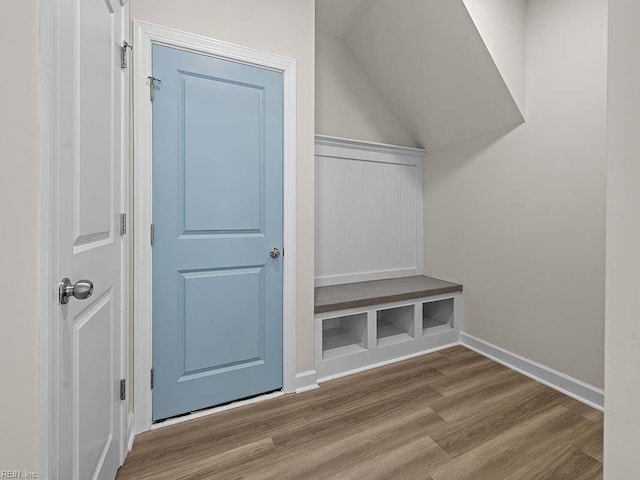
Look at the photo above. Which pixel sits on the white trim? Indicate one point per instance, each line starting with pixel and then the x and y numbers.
pixel 146 35
pixel 142 219
pixel 131 431
pixel 306 381
pixel 387 362
pixel 125 287
pixel 46 246
pixel 342 142
pixel 572 387
pixel 215 410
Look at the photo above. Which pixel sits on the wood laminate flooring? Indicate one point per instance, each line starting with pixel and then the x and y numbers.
pixel 451 415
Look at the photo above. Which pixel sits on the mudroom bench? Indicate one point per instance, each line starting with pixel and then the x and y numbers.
pixel 368 324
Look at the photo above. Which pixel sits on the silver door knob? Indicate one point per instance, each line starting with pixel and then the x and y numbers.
pixel 275 252
pixel 81 290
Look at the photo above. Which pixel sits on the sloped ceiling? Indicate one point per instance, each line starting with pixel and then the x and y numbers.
pixel 501 24
pixel 430 64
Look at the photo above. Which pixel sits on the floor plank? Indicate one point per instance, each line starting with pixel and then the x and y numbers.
pixel 451 415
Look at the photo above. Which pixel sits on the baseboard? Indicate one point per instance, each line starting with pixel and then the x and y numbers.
pixel 386 362
pixel 306 381
pixel 577 389
pixel 131 431
pixel 129 435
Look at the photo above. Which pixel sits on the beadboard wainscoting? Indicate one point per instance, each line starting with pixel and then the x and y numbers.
pixel 368 211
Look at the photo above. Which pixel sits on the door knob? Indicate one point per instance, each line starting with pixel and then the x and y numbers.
pixel 275 252
pixel 81 290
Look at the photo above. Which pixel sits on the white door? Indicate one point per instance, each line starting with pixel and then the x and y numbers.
pixel 87 436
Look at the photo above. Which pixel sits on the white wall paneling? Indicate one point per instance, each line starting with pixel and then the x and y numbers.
pixel 368 211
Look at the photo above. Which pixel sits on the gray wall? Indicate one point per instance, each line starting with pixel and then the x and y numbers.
pixel 519 217
pixel 18 236
pixel 347 102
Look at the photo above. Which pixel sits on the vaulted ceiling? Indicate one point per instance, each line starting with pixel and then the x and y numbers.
pixel 448 69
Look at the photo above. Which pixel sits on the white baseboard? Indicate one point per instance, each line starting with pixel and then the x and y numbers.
pixel 131 432
pixel 306 381
pixel 577 389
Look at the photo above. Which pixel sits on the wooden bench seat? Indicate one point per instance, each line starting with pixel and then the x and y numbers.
pixel 376 292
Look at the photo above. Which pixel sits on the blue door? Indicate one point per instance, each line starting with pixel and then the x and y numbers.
pixel 217 215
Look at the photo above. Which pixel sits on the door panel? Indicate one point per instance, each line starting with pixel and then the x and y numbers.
pixel 217 213
pixel 93 166
pixel 88 364
pixel 93 344
pixel 235 297
pixel 234 140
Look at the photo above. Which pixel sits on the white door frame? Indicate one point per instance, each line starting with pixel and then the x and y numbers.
pixel 48 13
pixel 146 35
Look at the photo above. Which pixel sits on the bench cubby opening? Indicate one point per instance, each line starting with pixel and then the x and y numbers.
pixel 437 316
pixel 344 335
pixel 362 325
pixel 395 325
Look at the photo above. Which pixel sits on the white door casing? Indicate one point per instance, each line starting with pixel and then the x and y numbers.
pixel 82 195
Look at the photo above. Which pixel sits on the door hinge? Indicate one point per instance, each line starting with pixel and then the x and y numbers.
pixel 152 379
pixel 123 224
pixel 152 233
pixel 124 62
pixel 123 389
pixel 152 86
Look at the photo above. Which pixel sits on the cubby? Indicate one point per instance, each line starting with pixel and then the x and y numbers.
pixel 395 325
pixel 437 316
pixel 366 324
pixel 344 335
